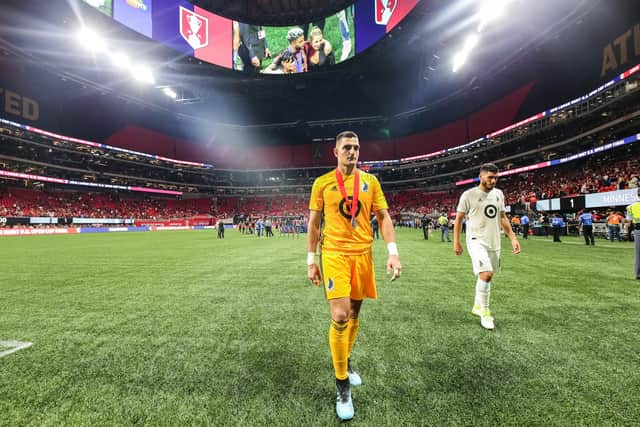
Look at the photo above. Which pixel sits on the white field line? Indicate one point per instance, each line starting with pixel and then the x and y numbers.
pixel 17 346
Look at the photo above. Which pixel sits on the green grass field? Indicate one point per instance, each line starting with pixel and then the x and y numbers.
pixel 179 328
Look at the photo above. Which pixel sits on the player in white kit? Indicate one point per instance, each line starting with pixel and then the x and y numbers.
pixel 483 208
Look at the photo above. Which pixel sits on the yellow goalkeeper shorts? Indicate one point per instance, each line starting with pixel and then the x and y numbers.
pixel 348 275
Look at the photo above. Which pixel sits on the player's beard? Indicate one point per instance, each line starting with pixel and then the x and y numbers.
pixel 488 185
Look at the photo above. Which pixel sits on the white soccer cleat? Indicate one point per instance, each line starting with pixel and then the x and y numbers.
pixel 485 317
pixel 354 378
pixel 344 404
pixel 486 320
pixel 477 310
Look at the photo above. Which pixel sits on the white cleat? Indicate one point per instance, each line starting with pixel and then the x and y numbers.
pixel 354 378
pixel 486 320
pixel 477 310
pixel 344 404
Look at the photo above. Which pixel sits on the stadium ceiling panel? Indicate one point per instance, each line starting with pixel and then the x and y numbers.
pixel 273 12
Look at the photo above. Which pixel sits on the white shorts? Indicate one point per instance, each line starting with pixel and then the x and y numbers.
pixel 483 259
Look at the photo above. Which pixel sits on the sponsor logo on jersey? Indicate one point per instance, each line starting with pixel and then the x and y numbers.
pixel 490 211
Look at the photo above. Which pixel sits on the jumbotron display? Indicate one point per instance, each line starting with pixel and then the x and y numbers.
pixel 252 49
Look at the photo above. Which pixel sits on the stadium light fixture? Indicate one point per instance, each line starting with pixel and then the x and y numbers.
pixel 491 10
pixel 120 60
pixel 471 42
pixel 143 74
pixel 91 41
pixel 170 92
pixel 461 57
pixel 458 61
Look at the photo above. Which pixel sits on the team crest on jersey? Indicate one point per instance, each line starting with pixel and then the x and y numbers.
pixel 345 209
pixel 490 211
pixel 194 28
pixel 330 284
pixel 365 187
pixel 384 10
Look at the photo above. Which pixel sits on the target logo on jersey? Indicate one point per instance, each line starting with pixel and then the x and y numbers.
pixel 384 10
pixel 194 28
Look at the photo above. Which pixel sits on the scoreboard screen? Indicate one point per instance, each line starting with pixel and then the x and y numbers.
pixel 217 40
pixel 104 6
pixel 573 203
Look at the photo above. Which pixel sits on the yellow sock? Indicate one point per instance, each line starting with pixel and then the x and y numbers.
pixel 354 324
pixel 339 344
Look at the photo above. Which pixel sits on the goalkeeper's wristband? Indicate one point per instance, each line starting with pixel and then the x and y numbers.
pixel 392 248
pixel 311 258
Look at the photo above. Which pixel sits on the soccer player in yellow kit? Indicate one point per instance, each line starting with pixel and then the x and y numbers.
pixel 346 197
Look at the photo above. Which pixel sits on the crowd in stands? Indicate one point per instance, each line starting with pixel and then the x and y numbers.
pixel 555 142
pixel 614 172
pixel 565 132
pixel 18 202
pixel 590 176
pixel 425 187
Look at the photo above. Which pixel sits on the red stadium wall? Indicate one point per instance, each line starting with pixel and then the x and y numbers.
pixel 145 140
pixel 493 117
pixel 498 114
pixel 443 137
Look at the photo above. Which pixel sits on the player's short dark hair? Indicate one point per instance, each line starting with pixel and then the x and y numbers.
pixel 346 134
pixel 294 33
pixel 488 167
pixel 285 56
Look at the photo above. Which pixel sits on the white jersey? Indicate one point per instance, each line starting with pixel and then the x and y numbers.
pixel 483 212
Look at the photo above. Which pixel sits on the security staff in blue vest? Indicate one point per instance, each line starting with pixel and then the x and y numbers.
pixel 633 215
pixel 586 220
pixel 524 222
pixel 557 223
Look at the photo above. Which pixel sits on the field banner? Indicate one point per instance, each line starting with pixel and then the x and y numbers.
pixel 35 231
pixel 24 231
pixel 165 223
pixel 611 198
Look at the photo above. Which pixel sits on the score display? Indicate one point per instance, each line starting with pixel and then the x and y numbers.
pixel 572 203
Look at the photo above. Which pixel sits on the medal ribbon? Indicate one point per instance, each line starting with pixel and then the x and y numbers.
pixel 356 193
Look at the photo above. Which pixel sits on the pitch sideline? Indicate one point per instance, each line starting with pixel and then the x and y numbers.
pixel 16 346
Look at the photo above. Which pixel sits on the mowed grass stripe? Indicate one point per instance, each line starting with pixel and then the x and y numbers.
pixel 180 328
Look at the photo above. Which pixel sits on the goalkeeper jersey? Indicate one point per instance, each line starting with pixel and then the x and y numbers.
pixel 338 233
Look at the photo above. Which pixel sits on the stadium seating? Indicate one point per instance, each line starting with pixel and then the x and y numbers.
pixel 420 187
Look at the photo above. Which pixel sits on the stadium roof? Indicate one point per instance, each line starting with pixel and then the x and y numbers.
pixel 408 70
